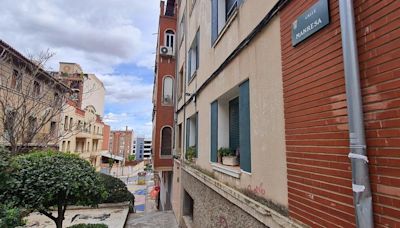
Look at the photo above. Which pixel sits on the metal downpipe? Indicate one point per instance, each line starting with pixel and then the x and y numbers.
pixel 358 156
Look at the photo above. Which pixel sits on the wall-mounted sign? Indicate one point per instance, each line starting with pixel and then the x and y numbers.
pixel 312 20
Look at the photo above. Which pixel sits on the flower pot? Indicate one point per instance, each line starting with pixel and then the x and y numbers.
pixel 230 160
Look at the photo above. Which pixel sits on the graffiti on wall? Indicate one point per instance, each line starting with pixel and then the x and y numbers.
pixel 258 189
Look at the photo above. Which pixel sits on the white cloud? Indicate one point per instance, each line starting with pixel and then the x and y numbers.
pixel 124 88
pixel 98 34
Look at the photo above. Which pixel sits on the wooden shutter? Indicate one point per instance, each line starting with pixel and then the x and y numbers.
pixel 214 21
pixel 244 123
pixel 214 131
pixel 234 133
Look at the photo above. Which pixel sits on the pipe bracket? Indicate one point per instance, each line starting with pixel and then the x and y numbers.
pixel 358 156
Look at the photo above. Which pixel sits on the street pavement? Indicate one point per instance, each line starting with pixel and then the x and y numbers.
pixel 147 215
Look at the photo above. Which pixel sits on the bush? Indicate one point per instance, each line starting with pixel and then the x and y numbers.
pixel 10 216
pixel 45 179
pixel 116 190
pixel 89 226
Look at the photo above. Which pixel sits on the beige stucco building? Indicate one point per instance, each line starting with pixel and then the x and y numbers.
pixel 229 96
pixel 82 133
pixel 82 126
pixel 94 93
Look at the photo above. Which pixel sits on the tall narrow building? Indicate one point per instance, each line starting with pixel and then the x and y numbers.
pixel 163 102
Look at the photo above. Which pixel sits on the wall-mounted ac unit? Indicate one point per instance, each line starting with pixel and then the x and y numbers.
pixel 164 50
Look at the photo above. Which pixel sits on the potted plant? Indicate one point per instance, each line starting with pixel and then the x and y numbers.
pixel 228 156
pixel 191 153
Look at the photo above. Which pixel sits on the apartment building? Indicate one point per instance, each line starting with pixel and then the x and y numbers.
pixel 271 105
pixel 142 148
pixel 121 143
pixel 163 102
pixel 88 88
pixel 31 102
pixel 82 133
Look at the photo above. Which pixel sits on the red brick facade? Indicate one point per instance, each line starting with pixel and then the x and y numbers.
pixel 165 66
pixel 319 171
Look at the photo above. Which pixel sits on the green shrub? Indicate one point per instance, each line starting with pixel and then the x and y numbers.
pixel 191 153
pixel 10 217
pixel 89 226
pixel 131 157
pixel 224 151
pixel 46 179
pixel 117 190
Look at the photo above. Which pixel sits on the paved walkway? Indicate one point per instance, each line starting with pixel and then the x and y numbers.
pixel 147 215
pixel 161 219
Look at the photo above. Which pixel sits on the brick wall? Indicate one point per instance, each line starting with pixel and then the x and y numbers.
pixel 319 172
pixel 164 114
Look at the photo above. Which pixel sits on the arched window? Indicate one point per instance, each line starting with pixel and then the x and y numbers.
pixel 168 90
pixel 169 38
pixel 166 141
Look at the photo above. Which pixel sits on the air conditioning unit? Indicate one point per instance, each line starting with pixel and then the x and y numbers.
pixel 164 50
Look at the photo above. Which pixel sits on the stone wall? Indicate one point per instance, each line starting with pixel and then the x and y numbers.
pixel 212 210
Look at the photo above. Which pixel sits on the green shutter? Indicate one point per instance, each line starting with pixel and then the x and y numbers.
pixel 214 21
pixel 187 133
pixel 234 133
pixel 197 49
pixel 214 131
pixel 244 123
pixel 197 134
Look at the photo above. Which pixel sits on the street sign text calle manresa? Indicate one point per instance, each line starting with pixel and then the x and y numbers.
pixel 314 19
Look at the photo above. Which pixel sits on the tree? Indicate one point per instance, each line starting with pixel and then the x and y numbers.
pixel 31 101
pixel 48 180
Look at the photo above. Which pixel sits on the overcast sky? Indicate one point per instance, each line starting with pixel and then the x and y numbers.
pixel 113 39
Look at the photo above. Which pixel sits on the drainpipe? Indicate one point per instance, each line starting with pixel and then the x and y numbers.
pixel 358 156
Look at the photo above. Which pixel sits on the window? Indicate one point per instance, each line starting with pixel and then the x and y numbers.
pixel 68 146
pixel 169 39
pixel 179 140
pixel 70 123
pixel 191 132
pixel 16 80
pixel 230 125
pixel 168 87
pixel 234 132
pixel 32 124
pixel 181 30
pixel 193 55
pixel 222 10
pixel 166 141
pixel 66 123
pixel 63 146
pixel 57 99
pixel 36 89
pixel 180 82
pixel 53 129
pixel 9 124
pixel 188 206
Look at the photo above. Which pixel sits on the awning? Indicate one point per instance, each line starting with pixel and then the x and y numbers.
pixel 115 157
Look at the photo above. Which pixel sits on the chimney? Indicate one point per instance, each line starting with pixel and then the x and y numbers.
pixel 162 8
